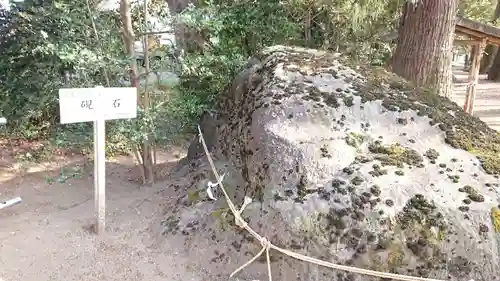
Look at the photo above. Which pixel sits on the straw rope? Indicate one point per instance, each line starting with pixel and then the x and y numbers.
pixel 267 245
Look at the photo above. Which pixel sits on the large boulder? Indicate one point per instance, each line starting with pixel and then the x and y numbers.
pixel 353 167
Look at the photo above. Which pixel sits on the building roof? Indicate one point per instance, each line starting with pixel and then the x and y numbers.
pixel 477 30
pixel 464 26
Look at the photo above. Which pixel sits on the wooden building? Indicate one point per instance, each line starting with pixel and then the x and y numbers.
pixel 479 35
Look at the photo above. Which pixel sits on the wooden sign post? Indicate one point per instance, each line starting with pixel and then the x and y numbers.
pixel 98 104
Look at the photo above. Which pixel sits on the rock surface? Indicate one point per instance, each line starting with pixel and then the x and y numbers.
pixel 353 167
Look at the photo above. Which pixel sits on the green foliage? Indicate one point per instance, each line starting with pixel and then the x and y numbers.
pixel 234 31
pixel 64 175
pixel 40 42
pixel 49 40
pixel 480 10
pixel 350 26
pixel 44 42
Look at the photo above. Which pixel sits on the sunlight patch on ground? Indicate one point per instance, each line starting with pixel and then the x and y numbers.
pixel 22 168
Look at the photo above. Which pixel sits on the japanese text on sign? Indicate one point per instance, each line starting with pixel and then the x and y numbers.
pixel 90 104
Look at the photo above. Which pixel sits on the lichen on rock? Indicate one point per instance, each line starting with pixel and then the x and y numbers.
pixel 461 130
pixel 495 218
pixel 359 168
pixel 395 154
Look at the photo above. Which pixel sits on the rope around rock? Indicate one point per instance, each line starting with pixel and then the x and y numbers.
pixel 267 245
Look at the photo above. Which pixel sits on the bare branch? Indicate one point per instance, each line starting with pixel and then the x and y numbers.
pixel 128 40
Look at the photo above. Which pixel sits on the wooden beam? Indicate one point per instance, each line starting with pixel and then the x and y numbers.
pixel 464 26
pixel 470 95
pixel 466 42
pixel 485 29
pixel 477 35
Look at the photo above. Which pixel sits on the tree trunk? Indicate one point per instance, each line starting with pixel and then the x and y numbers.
pixel 491 50
pixel 308 18
pixel 143 156
pixel 466 62
pixel 488 58
pixel 128 37
pixel 424 46
pixel 472 55
pixel 494 73
pixel 147 150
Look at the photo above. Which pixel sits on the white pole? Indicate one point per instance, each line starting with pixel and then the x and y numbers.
pixel 100 174
pixel 10 202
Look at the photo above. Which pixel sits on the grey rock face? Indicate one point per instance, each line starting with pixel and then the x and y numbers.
pixel 354 169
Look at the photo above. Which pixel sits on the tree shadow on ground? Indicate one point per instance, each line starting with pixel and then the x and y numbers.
pixel 63 185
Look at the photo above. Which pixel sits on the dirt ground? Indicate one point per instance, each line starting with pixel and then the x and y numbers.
pixel 49 235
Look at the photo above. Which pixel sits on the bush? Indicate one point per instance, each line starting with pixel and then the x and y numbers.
pixel 48 40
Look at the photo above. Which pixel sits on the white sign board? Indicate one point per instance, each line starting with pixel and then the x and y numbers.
pixel 90 104
pixel 98 104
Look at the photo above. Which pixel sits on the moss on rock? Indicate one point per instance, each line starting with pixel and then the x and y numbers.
pixel 462 131
pixel 377 171
pixel 432 154
pixel 324 152
pixel 395 154
pixel 495 219
pixel 473 193
pixel 419 210
pixel 348 101
pixel 354 139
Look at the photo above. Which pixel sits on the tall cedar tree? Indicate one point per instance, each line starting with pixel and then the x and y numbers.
pixel 425 40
